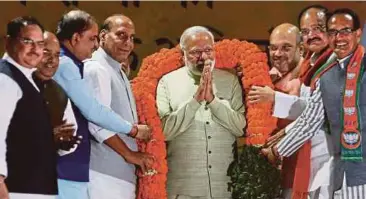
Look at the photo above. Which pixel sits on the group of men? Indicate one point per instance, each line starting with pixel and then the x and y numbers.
pixel 69 125
pixel 320 103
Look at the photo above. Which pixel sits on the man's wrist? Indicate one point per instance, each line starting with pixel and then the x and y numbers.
pixel 134 131
pixel 274 150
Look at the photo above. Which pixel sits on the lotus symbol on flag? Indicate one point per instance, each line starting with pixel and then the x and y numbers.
pixel 350 110
pixel 351 75
pixel 349 93
pixel 351 138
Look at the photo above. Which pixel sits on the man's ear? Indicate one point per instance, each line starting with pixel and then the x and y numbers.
pixel 102 35
pixel 8 42
pixel 75 39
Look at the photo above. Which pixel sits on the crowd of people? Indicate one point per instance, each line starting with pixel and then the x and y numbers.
pixel 69 125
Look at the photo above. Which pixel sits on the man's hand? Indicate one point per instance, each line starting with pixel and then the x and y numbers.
pixel 273 140
pixel 209 96
pixel 275 74
pixel 4 193
pixel 64 136
pixel 271 154
pixel 143 160
pixel 143 132
pixel 261 94
pixel 200 93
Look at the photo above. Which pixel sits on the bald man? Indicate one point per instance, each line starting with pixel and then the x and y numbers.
pixel 314 162
pixel 113 155
pixel 58 105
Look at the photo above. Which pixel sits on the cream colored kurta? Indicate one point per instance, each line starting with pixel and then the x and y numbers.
pixel 200 137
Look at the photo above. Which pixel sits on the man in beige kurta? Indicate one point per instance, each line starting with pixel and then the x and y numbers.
pixel 202 114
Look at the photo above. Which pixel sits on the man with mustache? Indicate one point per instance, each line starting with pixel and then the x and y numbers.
pixel 27 149
pixel 312 172
pixel 337 97
pixel 202 114
pixel 77 32
pixel 114 156
pixel 58 105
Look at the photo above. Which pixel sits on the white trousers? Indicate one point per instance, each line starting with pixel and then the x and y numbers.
pixel 103 186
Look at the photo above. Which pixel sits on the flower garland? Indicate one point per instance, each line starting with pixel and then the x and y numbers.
pixel 229 54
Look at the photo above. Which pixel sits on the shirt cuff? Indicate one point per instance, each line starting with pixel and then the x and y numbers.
pixel 282 105
pixel 194 104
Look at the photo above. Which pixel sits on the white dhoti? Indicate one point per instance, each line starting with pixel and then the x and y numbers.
pixel 108 187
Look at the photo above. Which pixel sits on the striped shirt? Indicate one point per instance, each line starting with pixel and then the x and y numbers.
pixel 305 126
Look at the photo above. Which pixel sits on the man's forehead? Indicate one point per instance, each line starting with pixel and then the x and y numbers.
pixel 341 19
pixel 121 22
pixel 313 17
pixel 199 40
pixel 283 38
pixel 31 30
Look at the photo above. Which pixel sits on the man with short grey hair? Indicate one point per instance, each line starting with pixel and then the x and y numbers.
pixel 113 155
pixel 202 113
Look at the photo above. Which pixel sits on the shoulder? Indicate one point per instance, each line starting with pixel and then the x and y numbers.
pixel 9 86
pixel 93 68
pixel 224 75
pixel 175 75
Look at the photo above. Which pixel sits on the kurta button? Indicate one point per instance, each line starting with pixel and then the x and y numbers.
pixel 207 122
pixel 206 108
pixel 209 137
pixel 209 166
pixel 209 152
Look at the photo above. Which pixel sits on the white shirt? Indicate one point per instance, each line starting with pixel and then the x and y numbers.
pixel 10 93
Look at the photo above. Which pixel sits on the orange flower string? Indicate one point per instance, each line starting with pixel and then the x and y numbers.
pixel 229 54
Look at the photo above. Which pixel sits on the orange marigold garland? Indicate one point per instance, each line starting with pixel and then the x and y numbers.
pixel 229 54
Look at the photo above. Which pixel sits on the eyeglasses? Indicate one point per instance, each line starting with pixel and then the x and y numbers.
pixel 342 32
pixel 315 29
pixel 198 53
pixel 31 42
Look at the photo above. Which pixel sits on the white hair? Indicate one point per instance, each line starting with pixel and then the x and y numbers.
pixel 191 31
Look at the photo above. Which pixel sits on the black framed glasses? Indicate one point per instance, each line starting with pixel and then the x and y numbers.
pixel 342 32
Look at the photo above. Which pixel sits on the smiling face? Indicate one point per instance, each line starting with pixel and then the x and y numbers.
pixel 117 40
pixel 50 61
pixel 342 36
pixel 27 48
pixel 284 48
